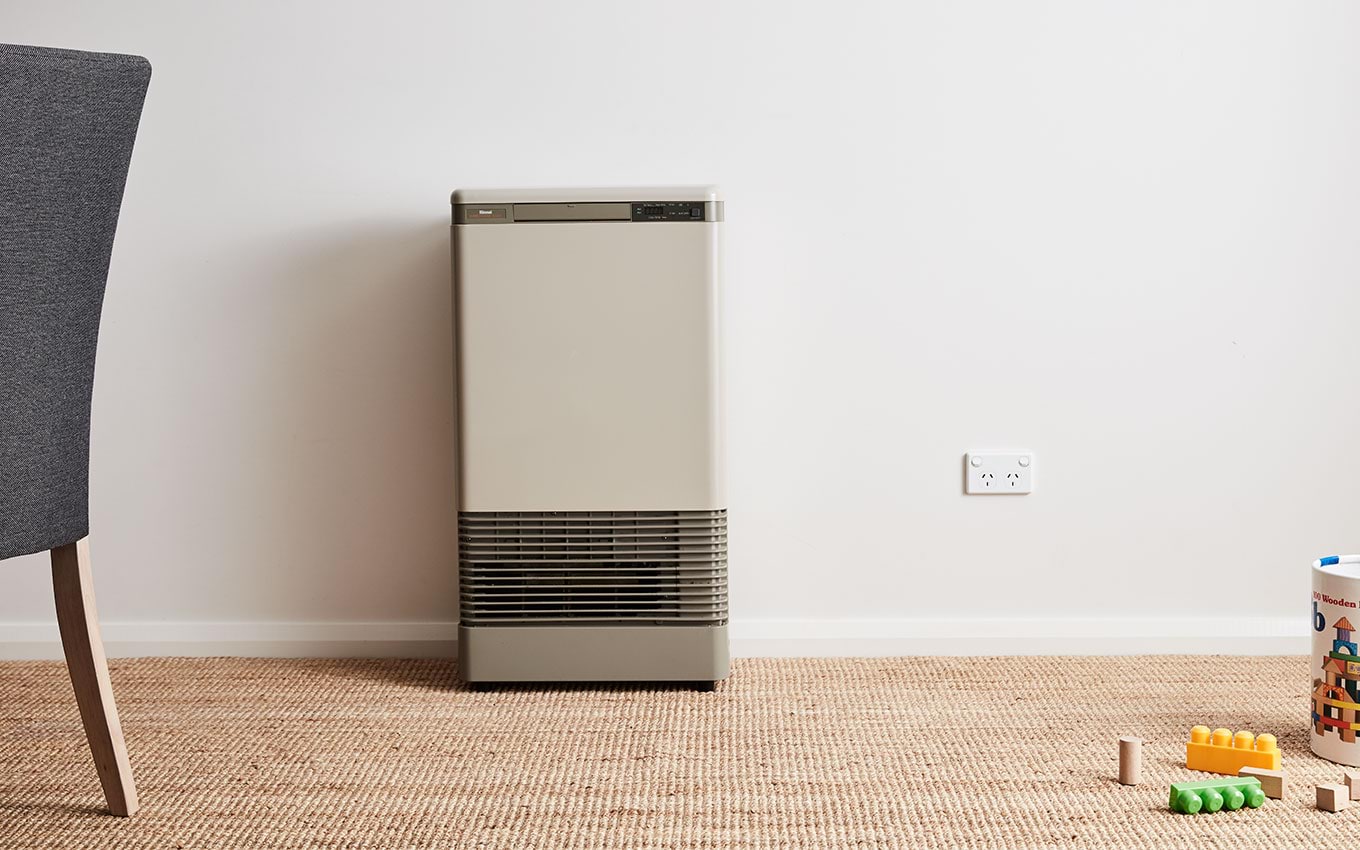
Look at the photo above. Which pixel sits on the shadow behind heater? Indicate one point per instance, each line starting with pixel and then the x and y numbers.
pixel 592 517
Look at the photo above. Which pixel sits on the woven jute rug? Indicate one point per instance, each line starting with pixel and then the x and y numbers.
pixel 832 753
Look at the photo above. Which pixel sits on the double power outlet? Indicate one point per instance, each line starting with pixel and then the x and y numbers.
pixel 998 473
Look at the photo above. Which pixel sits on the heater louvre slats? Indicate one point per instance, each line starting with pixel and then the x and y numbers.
pixel 490 594
pixel 597 567
pixel 531 558
pixel 589 574
pixel 559 530
pixel 603 607
pixel 609 566
pixel 573 536
pixel 478 573
pixel 494 591
pixel 582 544
pixel 704 520
pixel 580 517
pixel 560 579
pixel 630 544
pixel 625 619
pixel 610 569
pixel 598 516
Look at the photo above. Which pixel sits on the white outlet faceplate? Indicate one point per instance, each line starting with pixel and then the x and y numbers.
pixel 998 473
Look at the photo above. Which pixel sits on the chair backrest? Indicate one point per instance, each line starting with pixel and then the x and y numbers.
pixel 67 123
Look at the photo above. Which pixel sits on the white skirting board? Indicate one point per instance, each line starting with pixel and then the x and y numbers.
pixel 755 638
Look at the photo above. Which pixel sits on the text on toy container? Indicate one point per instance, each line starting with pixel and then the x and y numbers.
pixel 1331 600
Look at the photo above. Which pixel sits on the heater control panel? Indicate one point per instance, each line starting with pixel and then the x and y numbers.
pixel 668 212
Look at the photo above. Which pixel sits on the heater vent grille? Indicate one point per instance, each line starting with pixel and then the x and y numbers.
pixel 593 568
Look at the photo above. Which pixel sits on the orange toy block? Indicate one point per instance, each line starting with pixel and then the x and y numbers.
pixel 1223 752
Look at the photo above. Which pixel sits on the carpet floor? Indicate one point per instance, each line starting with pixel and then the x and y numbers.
pixel 797 753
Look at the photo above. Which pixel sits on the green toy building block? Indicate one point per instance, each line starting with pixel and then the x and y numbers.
pixel 1229 793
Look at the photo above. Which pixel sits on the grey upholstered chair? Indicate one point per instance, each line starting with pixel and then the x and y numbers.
pixel 67 123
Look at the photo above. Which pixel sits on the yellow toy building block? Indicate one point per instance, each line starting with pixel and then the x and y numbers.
pixel 1223 752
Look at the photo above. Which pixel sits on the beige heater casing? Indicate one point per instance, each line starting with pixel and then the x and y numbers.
pixel 592 511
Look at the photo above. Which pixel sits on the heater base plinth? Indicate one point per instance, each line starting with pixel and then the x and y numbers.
pixel 592 654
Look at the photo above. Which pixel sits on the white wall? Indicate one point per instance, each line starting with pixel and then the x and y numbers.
pixel 1120 235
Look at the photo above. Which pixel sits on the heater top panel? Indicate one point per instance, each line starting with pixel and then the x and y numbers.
pixel 642 204
pixel 588 353
pixel 698 194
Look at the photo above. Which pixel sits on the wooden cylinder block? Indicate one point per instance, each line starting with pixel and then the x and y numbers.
pixel 1130 760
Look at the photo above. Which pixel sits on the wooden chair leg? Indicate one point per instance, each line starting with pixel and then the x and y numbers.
pixel 74 590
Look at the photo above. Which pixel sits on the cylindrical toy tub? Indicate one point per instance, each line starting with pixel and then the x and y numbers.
pixel 1335 694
